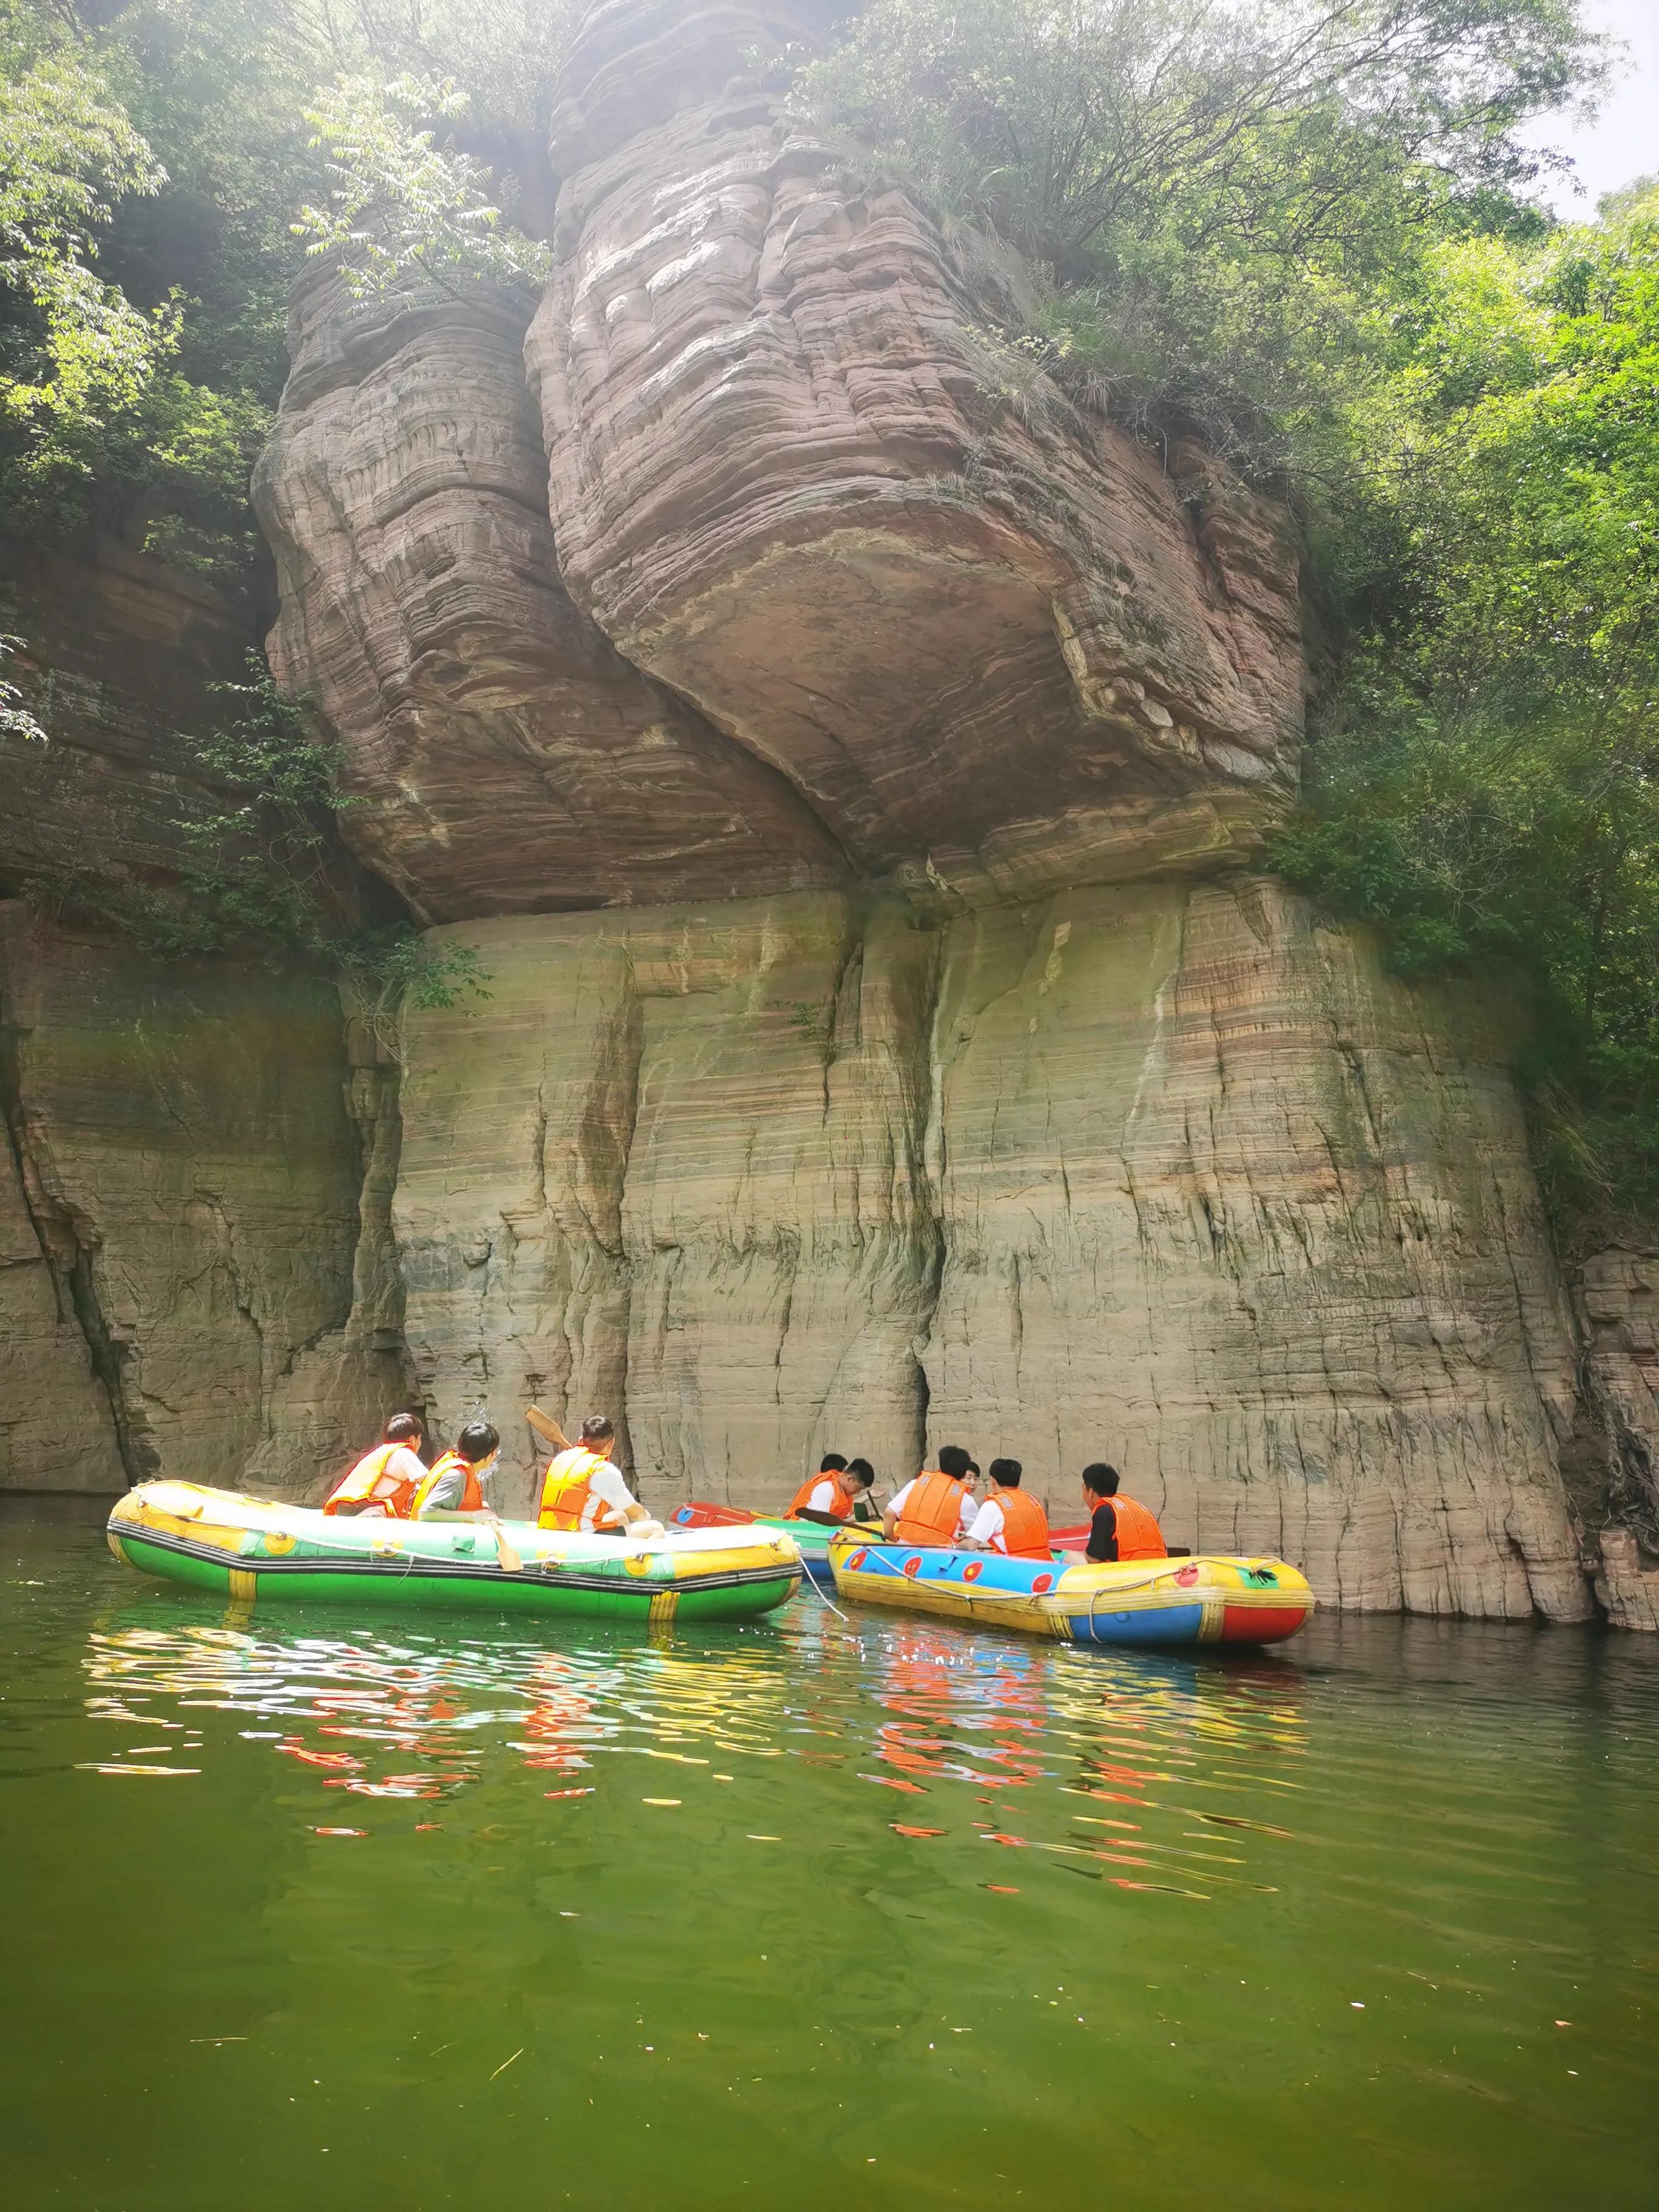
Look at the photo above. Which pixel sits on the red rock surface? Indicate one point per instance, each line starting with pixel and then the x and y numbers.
pixel 501 756
pixel 794 473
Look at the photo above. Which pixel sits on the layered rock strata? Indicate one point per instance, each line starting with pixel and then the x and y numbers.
pixel 1164 1174
pixel 186 1197
pixel 119 658
pixel 180 1206
pixel 847 758
pixel 796 473
pixel 499 754
pixel 1618 1294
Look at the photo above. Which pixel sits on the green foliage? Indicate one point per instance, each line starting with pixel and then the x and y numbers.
pixel 1215 193
pixel 155 160
pixel 16 721
pixel 405 204
pixel 76 349
pixel 1486 782
pixel 266 880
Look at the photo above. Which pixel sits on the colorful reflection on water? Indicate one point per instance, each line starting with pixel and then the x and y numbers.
pixel 308 1909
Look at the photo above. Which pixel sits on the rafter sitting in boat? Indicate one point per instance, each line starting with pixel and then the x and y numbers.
pixel 834 1493
pixel 383 1482
pixel 584 1490
pixel 938 1507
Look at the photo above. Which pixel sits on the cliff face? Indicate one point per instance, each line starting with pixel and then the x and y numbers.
pixel 1165 1172
pixel 188 1243
pixel 852 764
pixel 928 1061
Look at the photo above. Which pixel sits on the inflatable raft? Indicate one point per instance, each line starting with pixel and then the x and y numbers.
pixel 1207 1600
pixel 254 1550
pixel 811 1537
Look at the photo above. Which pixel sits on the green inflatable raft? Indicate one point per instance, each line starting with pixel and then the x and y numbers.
pixel 257 1551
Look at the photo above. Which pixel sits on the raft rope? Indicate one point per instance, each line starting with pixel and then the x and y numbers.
pixel 808 1577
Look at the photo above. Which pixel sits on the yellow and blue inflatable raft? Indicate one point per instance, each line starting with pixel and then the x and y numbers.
pixel 1211 1598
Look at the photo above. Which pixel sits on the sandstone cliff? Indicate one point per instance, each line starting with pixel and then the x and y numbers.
pixel 928 1060
pixel 184 1213
pixel 1168 1173
pixel 852 764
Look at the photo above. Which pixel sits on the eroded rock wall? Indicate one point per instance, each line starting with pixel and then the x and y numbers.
pixel 500 755
pixel 183 1250
pixel 1164 1174
pixel 794 474
pixel 195 1270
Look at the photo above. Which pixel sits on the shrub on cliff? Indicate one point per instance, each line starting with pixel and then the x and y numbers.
pixel 1214 194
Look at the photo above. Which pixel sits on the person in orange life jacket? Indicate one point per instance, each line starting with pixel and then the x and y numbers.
pixel 832 1494
pixel 1118 1527
pixel 583 1491
pixel 1009 1522
pixel 864 1505
pixel 384 1480
pixel 938 1507
pixel 454 1487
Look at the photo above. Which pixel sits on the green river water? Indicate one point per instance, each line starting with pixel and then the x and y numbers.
pixel 314 1909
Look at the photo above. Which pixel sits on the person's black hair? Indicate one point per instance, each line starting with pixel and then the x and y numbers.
pixel 1007 1472
pixel 954 1461
pixel 862 1469
pixel 832 1463
pixel 476 1441
pixel 1101 1479
pixel 597 1428
pixel 403 1428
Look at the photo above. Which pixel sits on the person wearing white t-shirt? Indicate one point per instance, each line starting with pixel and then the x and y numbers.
pixel 585 1490
pixel 938 1506
pixel 1009 1522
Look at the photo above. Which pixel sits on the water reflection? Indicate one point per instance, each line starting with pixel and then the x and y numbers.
pixel 1161 1773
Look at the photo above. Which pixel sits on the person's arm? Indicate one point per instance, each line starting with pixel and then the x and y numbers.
pixel 444 1504
pixel 824 1514
pixel 896 1505
pixel 609 1484
pixel 986 1527
pixel 1102 1535
pixel 444 1496
pixel 402 1468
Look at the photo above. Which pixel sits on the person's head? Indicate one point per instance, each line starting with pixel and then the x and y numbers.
pixel 954 1461
pixel 478 1443
pixel 403 1429
pixel 599 1432
pixel 1005 1473
pixel 832 1463
pixel 1100 1480
pixel 859 1473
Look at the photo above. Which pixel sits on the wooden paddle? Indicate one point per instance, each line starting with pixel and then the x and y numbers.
pixel 547 1428
pixel 550 1432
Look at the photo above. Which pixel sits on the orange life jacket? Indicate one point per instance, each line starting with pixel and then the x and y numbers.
pixel 841 1505
pixel 1138 1536
pixel 1025 1525
pixel 357 1486
pixel 932 1511
pixel 473 1497
pixel 566 1488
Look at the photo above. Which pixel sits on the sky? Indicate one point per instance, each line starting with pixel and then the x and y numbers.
pixel 1623 142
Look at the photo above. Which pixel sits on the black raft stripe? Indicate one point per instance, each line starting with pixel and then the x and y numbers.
pixel 439 1570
